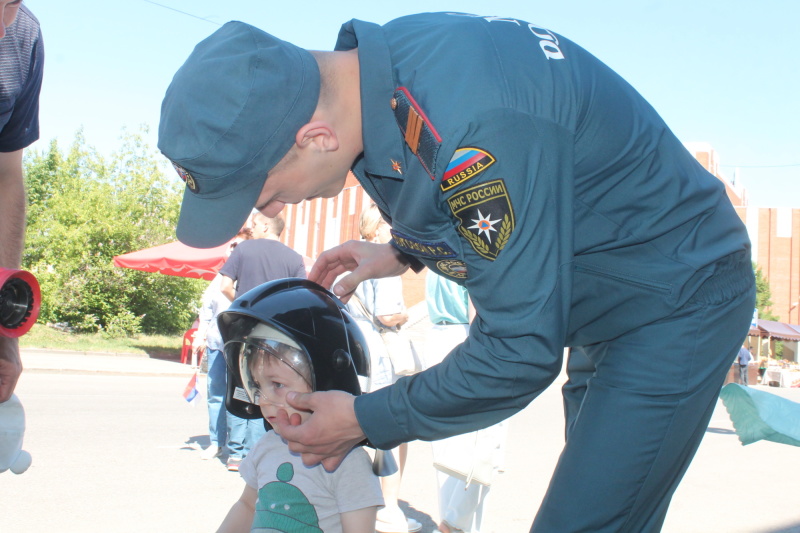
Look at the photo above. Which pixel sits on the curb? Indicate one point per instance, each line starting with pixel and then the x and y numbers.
pixel 88 372
pixel 45 361
pixel 24 349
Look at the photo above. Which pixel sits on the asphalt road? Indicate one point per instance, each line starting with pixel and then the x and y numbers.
pixel 119 453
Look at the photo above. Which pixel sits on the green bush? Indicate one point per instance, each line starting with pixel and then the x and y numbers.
pixel 124 324
pixel 83 210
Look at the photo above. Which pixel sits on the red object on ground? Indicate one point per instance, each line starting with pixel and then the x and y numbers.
pixel 186 349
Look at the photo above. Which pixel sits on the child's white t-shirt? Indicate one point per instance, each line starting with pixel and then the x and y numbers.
pixel 294 497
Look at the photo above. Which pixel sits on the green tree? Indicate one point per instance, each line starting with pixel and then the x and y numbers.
pixel 763 296
pixel 764 305
pixel 83 210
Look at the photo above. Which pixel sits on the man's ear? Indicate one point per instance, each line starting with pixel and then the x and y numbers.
pixel 319 135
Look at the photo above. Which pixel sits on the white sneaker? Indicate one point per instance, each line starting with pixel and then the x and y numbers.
pixel 211 452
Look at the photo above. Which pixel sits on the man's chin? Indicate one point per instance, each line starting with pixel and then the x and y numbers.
pixel 335 188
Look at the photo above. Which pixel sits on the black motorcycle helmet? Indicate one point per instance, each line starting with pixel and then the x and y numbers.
pixel 303 325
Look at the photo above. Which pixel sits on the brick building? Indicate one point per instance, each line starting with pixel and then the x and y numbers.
pixel 315 225
pixel 775 236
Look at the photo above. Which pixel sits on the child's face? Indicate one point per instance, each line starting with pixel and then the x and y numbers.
pixel 274 380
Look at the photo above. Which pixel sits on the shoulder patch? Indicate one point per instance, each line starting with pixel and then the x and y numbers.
pixel 465 164
pixel 452 268
pixel 420 135
pixel 486 217
pixel 412 246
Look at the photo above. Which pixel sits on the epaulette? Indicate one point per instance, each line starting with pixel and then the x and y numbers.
pixel 420 135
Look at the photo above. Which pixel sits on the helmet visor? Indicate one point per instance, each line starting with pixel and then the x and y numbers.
pixel 267 363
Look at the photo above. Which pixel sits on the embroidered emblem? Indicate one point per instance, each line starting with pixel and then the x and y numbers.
pixel 412 246
pixel 452 268
pixel 396 166
pixel 418 132
pixel 186 177
pixel 465 164
pixel 486 217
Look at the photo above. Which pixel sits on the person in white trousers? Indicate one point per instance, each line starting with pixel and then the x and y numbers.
pixel 461 504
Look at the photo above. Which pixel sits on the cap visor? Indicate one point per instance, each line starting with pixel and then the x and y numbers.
pixel 210 222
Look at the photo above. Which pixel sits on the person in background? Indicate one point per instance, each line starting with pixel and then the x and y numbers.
pixel 461 505
pixel 208 339
pixel 253 262
pixel 378 303
pixel 21 67
pixel 743 359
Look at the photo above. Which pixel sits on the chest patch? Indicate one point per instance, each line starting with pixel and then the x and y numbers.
pixel 486 217
pixel 465 164
pixel 420 135
pixel 412 246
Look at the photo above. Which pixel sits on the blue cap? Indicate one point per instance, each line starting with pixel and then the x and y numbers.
pixel 229 116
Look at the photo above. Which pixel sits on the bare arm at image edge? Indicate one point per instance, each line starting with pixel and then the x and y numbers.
pixel 12 231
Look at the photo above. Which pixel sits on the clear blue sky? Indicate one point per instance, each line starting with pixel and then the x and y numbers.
pixel 723 72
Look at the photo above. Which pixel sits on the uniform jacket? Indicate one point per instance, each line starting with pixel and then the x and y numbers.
pixel 510 160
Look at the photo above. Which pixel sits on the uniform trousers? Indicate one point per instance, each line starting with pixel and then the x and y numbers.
pixel 637 408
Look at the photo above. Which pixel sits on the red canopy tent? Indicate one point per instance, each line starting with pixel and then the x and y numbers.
pixel 176 259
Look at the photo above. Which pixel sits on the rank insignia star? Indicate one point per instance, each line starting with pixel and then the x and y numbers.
pixel 396 166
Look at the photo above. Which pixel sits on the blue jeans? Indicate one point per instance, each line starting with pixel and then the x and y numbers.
pixel 217 383
pixel 243 434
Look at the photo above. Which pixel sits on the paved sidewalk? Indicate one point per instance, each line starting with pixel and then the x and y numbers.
pixel 729 488
pixel 39 360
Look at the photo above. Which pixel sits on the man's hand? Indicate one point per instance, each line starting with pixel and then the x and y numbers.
pixel 329 434
pixel 365 260
pixel 10 367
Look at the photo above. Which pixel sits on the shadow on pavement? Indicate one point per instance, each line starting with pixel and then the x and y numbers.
pixel 157 352
pixel 425 519
pixel 198 441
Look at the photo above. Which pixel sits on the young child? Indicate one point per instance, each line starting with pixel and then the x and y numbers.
pixel 292 335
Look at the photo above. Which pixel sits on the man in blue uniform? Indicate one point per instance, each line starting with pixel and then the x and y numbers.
pixel 21 65
pixel 512 161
